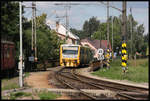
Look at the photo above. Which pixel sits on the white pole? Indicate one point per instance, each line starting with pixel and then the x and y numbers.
pixel 20 57
pixel 35 33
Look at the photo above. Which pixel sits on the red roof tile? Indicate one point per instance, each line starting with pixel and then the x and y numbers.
pixel 96 43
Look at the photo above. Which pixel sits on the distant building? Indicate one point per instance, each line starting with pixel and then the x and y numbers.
pixel 95 44
pixel 61 32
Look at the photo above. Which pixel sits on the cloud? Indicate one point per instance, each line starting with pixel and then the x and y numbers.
pixel 102 19
pixel 79 13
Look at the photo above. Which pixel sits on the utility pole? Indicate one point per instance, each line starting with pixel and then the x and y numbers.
pixel 131 30
pixel 124 22
pixel 20 57
pixel 35 33
pixel 66 23
pixel 34 46
pixel 67 20
pixel 124 51
pixel 107 24
pixel 112 38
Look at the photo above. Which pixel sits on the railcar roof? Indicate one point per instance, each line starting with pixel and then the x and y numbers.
pixel 8 42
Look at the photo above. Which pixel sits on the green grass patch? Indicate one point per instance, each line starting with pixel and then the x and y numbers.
pixel 47 95
pixel 13 96
pixel 7 84
pixel 27 74
pixel 137 71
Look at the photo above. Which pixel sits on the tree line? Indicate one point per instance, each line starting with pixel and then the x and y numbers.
pixel 95 29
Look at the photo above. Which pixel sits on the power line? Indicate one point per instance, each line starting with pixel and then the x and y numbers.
pixel 112 7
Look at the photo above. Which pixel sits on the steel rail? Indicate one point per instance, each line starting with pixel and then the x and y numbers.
pixel 118 92
pixel 65 83
pixel 108 82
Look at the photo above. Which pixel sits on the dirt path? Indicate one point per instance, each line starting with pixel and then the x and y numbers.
pixel 40 80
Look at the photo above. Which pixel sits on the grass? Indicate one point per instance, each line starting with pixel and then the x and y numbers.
pixel 44 95
pixel 27 74
pixel 137 72
pixel 13 96
pixel 10 83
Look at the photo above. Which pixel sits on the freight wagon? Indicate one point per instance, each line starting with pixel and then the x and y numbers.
pixel 7 57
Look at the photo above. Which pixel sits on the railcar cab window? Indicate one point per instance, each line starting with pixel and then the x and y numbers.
pixel 70 50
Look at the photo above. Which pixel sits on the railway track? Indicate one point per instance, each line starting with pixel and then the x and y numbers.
pixel 59 77
pixel 127 91
pixel 71 79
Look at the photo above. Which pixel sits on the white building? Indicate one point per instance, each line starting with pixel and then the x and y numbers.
pixel 61 31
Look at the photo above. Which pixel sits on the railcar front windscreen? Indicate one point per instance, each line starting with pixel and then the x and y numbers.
pixel 70 51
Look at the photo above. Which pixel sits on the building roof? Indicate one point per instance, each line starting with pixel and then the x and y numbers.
pixel 96 43
pixel 61 29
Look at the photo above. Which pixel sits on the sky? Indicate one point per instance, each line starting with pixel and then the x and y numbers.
pixel 79 13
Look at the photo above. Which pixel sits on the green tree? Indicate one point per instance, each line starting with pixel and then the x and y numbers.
pixel 101 34
pixel 10 23
pixel 79 33
pixel 47 41
pixel 9 20
pixel 41 21
pixel 89 27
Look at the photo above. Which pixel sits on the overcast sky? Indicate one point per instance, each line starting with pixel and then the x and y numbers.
pixel 79 13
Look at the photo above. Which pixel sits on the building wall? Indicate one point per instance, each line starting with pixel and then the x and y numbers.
pixel 69 40
pixel 61 32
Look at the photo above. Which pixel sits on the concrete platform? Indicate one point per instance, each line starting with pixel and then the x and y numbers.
pixel 94 92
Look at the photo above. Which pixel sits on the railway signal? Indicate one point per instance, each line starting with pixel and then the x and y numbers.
pixel 107 56
pixel 124 57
